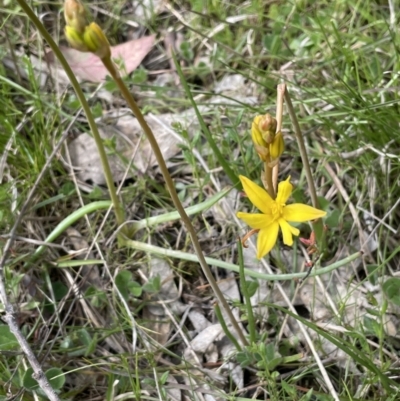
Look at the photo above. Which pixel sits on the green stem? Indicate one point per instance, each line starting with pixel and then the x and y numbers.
pixel 268 178
pixel 171 216
pixel 118 209
pixel 68 221
pixel 302 149
pixel 243 285
pixel 225 328
pixel 318 225
pixel 170 253
pixel 108 63
pixel 280 95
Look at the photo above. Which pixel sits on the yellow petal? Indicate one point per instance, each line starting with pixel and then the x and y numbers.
pixel 257 195
pixel 288 231
pixel 267 239
pixel 284 191
pixel 297 212
pixel 256 220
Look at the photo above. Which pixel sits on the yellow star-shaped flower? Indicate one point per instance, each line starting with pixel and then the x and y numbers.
pixel 275 214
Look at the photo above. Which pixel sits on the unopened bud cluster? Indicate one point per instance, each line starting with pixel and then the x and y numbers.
pixel 80 34
pixel 268 143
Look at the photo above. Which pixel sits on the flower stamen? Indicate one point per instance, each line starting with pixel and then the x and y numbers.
pixel 247 236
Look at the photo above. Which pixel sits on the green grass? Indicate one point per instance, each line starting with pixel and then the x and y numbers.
pixel 340 61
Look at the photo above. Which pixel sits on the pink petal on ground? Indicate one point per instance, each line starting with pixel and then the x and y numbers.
pixel 89 67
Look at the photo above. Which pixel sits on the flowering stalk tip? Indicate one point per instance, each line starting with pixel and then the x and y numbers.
pixel 75 15
pixel 81 35
pixel 268 143
pixel 266 125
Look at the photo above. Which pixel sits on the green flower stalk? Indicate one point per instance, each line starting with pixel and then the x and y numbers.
pixel 87 37
pixel 91 38
pixel 275 214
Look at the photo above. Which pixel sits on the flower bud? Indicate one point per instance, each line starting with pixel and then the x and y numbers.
pixel 256 134
pixel 262 152
pixel 277 146
pixel 75 39
pixel 75 15
pixel 96 41
pixel 267 126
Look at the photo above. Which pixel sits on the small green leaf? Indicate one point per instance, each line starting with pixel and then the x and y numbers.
pixel 97 110
pixel 110 85
pixel 96 193
pixel 139 76
pixel 28 381
pixel 373 273
pixel 323 203
pixel 153 285
pixel 67 188
pixel 391 288
pixel 252 287
pixel 273 363
pixel 289 389
pixel 60 290
pixel 56 378
pixel 92 346
pixel 372 326
pixel 307 397
pixel 157 283
pixel 149 382
pixel 97 297
pixel 84 337
pixel 135 289
pixel 186 51
pixel 7 339
pixel 121 281
pixel 239 117
pixel 164 377
pixel 243 359
pixel 273 43
pixel 270 352
pixel 333 219
pixel 110 143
